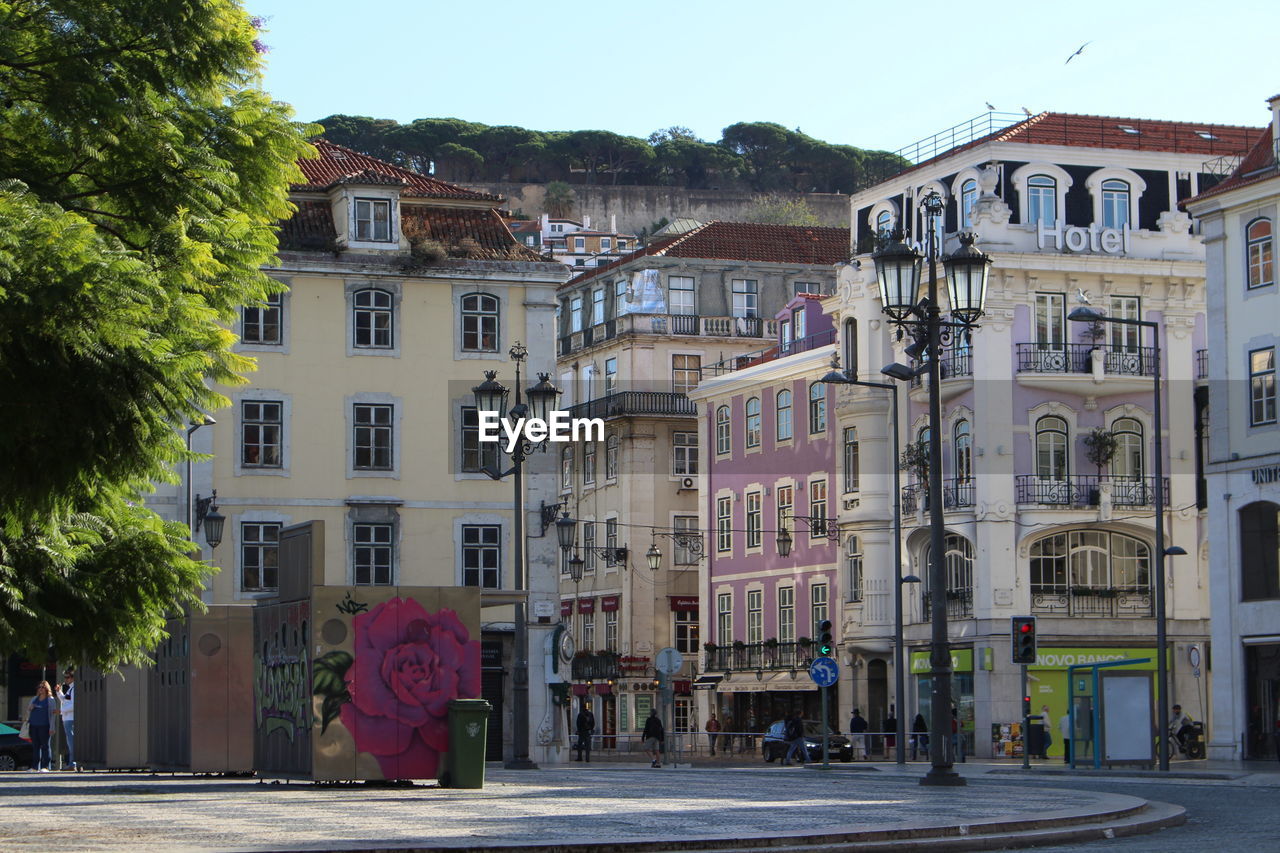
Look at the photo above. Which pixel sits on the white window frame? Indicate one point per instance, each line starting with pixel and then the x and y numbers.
pixel 786 613
pixel 684 454
pixel 755 616
pixel 1137 186
pixel 364 211
pixel 368 535
pixel 1262 386
pixel 755 519
pixel 681 295
pixel 724 438
pixel 263 547
pixel 724 524
pixel 1020 179
pixel 1259 255
pixel 784 416
pixel 745 297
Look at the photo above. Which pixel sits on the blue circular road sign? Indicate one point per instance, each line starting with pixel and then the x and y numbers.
pixel 824 671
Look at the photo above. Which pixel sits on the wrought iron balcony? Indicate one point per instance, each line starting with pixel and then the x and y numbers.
pixel 750 359
pixel 1202 364
pixel 1089 601
pixel 955 363
pixel 757 656
pixel 601 666
pixel 1085 490
pixel 666 324
pixel 1079 359
pixel 621 404
pixel 959 604
pixel 956 493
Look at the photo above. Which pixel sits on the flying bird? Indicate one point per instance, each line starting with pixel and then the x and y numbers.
pixel 1079 51
pixel 1027 111
pixel 988 103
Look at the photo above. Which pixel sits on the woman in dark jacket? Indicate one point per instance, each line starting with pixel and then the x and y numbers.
pixel 39 721
pixel 919 736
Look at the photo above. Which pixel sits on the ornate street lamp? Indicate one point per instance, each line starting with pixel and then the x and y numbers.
pixel 783 541
pixel 653 556
pixel 898 270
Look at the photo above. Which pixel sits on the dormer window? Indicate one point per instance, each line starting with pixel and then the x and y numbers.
pixel 373 220
pixel 1115 204
pixel 1127 128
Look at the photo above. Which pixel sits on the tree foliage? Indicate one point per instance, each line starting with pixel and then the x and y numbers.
pixel 781 210
pixel 760 156
pixel 142 175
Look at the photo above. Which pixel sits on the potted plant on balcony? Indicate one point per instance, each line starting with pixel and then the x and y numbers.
pixel 1099 448
pixel 710 648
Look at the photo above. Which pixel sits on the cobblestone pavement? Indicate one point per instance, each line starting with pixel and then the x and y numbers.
pixel 101 811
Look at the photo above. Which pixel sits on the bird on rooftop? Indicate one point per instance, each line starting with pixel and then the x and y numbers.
pixel 988 103
pixel 1027 111
pixel 1079 51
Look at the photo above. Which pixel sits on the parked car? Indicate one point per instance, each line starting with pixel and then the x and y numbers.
pixel 775 742
pixel 15 753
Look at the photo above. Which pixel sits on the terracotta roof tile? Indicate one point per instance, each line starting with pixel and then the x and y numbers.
pixel 310 229
pixel 477 234
pixel 1258 165
pixel 337 165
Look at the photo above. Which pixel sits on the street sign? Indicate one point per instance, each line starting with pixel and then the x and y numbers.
pixel 668 661
pixel 824 671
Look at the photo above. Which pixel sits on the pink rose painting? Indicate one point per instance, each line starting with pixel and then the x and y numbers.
pixel 408 664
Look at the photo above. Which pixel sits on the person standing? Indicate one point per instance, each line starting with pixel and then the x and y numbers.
pixel 654 736
pixel 1046 724
pixel 795 739
pixel 891 727
pixel 726 739
pixel 919 736
pixel 40 714
pixel 586 726
pixel 857 735
pixel 713 729
pixel 67 711
pixel 1064 730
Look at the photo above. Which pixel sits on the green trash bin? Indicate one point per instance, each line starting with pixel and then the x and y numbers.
pixel 468 730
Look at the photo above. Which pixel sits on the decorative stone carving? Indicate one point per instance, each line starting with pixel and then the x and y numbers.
pixel 1174 222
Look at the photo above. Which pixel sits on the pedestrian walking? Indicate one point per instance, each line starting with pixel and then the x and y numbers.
pixel 586 726
pixel 857 735
pixel 1064 730
pixel 890 726
pixel 654 735
pixel 67 711
pixel 40 713
pixel 795 739
pixel 713 729
pixel 1046 723
pixel 726 739
pixel 919 736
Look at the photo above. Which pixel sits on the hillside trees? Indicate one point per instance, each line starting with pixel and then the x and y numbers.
pixel 142 175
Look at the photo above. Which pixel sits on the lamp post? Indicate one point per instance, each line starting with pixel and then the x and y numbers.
pixel 1089 315
pixel 491 396
pixel 841 377
pixel 191 504
pixel 898 273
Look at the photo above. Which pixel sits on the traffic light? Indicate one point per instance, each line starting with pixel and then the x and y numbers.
pixel 825 644
pixel 1026 706
pixel 1024 639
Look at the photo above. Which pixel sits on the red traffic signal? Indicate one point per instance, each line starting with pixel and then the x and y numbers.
pixel 1023 639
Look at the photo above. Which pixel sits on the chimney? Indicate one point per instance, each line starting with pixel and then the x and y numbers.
pixel 546 223
pixel 1274 102
pixel 613 223
pixel 586 223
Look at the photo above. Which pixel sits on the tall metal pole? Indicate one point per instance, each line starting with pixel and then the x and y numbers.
pixel 1162 661
pixel 520 675
pixel 942 771
pixel 900 678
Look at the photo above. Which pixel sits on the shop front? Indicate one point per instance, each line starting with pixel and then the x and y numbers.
pixel 1262 671
pixel 748 702
pixel 961 691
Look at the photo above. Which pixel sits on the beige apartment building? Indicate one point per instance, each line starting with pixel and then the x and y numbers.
pixel 634 338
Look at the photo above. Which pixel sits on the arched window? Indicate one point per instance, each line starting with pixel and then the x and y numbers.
pixel 372 315
pixel 784 416
pixel 722 430
pixel 479 322
pixel 1259 254
pixel 1260 551
pixel 753 422
pixel 1127 464
pixel 957 554
pixel 1051 448
pixel 968 198
pixel 963 447
pixel 1042 200
pixel 1115 204
pixel 884 223
pixel 1085 561
pixel 851 347
pixel 566 467
pixel 817 408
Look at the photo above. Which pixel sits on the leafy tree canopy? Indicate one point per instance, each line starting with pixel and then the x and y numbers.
pixel 781 210
pixel 142 174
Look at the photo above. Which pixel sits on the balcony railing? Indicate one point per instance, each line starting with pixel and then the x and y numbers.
pixel 667 324
pixel 959 603
pixel 621 404
pixel 1078 358
pixel 1083 490
pixel 756 656
pixel 1095 602
pixel 955 494
pixel 602 666
pixel 750 359
pixel 954 363
pixel 1202 364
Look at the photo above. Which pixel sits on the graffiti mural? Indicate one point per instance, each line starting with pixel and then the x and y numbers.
pixel 282 713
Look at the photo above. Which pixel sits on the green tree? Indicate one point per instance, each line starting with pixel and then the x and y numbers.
pixel 764 148
pixel 558 199
pixel 143 173
pixel 781 210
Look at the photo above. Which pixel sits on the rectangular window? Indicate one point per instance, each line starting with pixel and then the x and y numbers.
pixel 606 244
pixel 724 524
pixel 262 323
pixel 681 294
pixel 589 464
pixel 480 322
pixel 566 468
pixel 611 457
pixel 1050 320
pixel 803 287
pixel 372 554
pixel 851 459
pixel 797 317
pixel 611 535
pixel 589 546
pixel 684 454
pixel 755 519
pixel 621 304
pixel 688 548
pixel 575 314
pixel 476 456
pixel 786 614
pixel 610 375
pixel 818 508
pixel 1125 338
pixel 372 313
pixel 755 616
pixel 611 631
pixel 597 306
pixel 853 568
pixel 1262 386
pixel 261 427
pixel 818 607
pixel 373 438
pixel 482 555
pixel 785 503
pixel 686 372
pixel 588 630
pixel 579 244
pixel 724 618
pixel 746 292
pixel 686 631
pixel 259 556
pixel 373 220
pixel 817 408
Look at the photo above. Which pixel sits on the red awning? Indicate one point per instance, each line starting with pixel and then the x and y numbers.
pixel 609 603
pixel 566 607
pixel 684 603
pixel 604 689
pixel 586 605
pixel 580 690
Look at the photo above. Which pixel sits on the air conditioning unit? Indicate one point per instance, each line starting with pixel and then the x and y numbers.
pixel 686 483
pixel 850 503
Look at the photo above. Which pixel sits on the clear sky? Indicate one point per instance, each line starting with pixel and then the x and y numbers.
pixel 874 75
